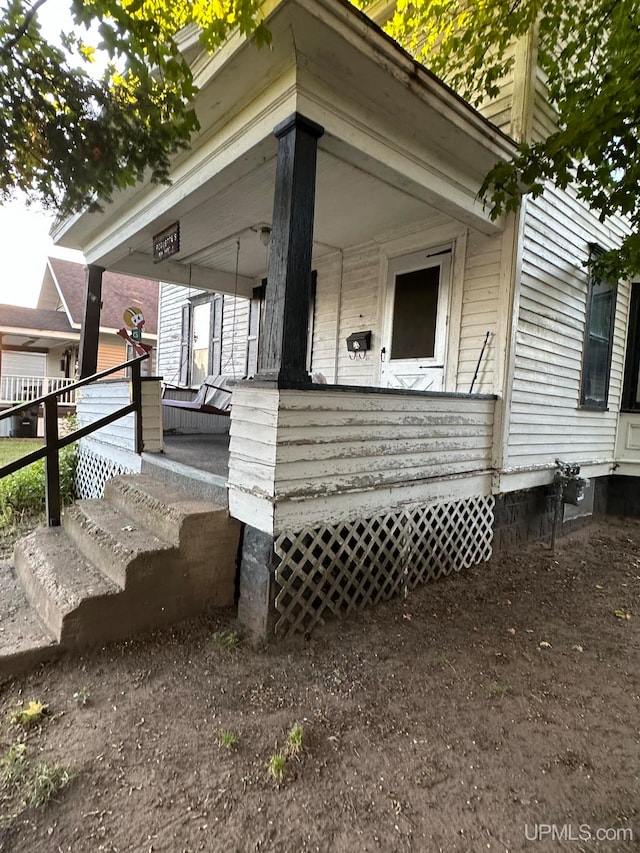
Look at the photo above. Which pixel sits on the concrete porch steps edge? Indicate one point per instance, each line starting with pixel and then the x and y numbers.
pixel 25 641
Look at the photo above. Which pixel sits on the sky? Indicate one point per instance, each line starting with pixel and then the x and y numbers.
pixel 24 232
pixel 24 247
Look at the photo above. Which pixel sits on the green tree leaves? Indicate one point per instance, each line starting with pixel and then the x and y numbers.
pixel 71 139
pixel 589 51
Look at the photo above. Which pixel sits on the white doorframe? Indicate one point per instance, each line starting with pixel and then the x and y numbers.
pixel 419 373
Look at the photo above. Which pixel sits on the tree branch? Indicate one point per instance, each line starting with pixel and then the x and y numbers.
pixel 24 26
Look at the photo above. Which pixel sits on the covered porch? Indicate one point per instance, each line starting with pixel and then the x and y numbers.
pixel 362 184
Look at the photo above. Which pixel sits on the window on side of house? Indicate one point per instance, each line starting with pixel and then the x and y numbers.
pixel 631 387
pixel 598 341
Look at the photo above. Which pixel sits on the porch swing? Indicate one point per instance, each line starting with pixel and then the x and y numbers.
pixel 214 395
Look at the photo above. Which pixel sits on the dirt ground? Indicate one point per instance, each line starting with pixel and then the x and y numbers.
pixel 440 722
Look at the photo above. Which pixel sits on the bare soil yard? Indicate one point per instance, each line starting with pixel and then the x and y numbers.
pixel 474 715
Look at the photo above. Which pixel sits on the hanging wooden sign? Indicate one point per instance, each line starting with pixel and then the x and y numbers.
pixel 166 243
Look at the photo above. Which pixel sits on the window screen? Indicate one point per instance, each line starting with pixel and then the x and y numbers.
pixel 415 306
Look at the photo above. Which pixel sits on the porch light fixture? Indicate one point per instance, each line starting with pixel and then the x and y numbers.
pixel 265 235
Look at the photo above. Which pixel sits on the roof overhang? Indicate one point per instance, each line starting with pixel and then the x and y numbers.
pixel 399 148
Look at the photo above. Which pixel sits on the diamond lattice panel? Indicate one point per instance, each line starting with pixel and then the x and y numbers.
pixel 341 568
pixel 93 471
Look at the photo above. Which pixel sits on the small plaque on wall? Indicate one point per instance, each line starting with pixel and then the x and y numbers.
pixel 166 243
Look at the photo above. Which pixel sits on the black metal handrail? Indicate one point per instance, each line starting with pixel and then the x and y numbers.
pixel 52 441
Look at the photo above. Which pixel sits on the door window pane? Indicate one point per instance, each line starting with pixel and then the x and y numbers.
pixel 415 306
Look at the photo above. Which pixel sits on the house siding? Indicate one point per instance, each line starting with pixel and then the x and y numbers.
pixel 234 332
pixel 110 354
pixel 499 109
pixel 172 298
pixel 305 458
pixel 480 304
pixel 235 328
pixel 545 418
pixel 23 363
pixel 326 317
pixel 359 311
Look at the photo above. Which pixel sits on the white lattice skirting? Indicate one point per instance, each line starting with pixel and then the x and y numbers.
pixel 349 566
pixel 93 471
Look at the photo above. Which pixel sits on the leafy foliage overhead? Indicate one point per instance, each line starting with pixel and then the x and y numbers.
pixel 71 137
pixel 590 52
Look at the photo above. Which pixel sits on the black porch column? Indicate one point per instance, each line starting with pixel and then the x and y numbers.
pixel 88 358
pixel 287 299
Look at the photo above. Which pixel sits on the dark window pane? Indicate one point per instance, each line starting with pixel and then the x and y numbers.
pixel 596 365
pixel 415 305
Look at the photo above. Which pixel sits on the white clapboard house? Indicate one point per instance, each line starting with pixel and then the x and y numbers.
pixel 458 356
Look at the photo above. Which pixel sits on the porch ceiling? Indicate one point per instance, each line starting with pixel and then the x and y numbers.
pixel 36 339
pixel 352 206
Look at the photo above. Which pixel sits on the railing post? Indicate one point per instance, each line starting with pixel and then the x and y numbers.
pixel 52 465
pixel 136 399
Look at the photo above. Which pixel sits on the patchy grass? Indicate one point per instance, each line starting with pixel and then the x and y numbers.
pixel 276 766
pixel 498 689
pixel 45 782
pixel 294 739
pixel 12 765
pixel 82 697
pixel 227 739
pixel 227 640
pixel 15 448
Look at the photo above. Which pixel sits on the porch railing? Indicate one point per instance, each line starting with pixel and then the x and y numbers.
pixel 53 443
pixel 19 389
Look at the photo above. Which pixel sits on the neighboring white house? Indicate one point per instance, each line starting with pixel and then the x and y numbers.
pixel 39 346
pixel 461 355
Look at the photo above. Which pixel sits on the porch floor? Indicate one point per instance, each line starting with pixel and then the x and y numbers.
pixel 199 464
pixel 206 452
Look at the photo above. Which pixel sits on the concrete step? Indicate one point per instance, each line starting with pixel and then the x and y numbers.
pixel 24 640
pixel 169 512
pixel 73 598
pixel 121 548
pixel 200 484
pixel 144 557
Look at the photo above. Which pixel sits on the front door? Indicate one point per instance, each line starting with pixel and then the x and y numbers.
pixel 415 338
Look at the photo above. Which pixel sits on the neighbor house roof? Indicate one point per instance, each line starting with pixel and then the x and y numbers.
pixel 118 293
pixel 14 317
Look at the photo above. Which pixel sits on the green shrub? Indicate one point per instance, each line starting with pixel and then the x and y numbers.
pixel 23 491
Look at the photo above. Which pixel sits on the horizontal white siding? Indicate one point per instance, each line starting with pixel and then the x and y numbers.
pixel 103 398
pixel 359 311
pixel 188 421
pixel 24 363
pixel 326 315
pixel 544 120
pixel 499 109
pixel 546 420
pixel 235 328
pixel 301 459
pixel 234 332
pixel 480 301
pixel 172 298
